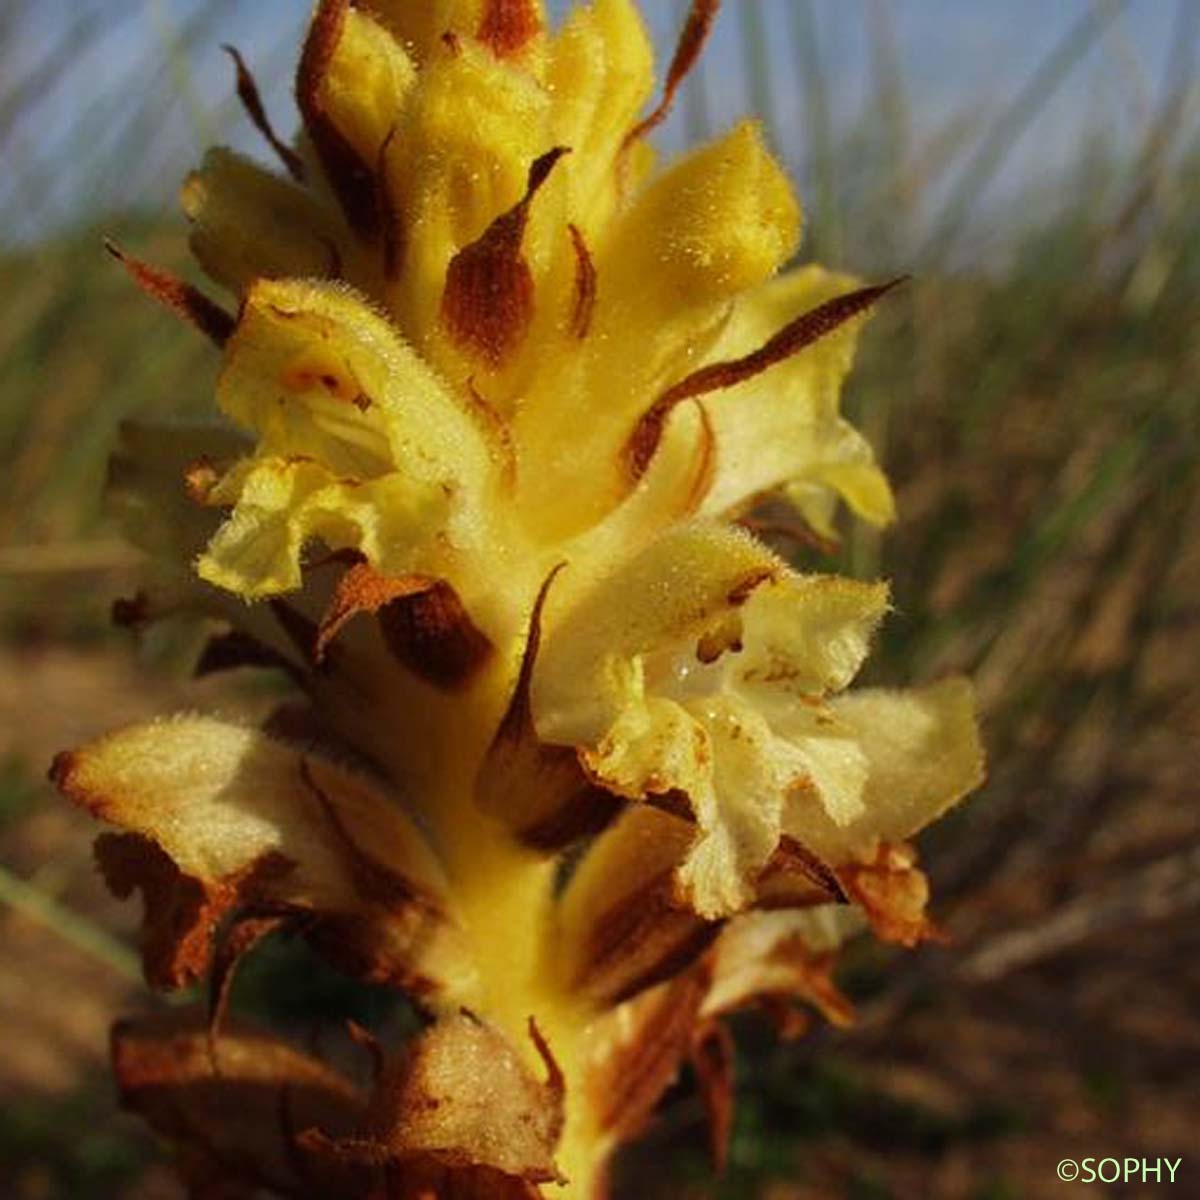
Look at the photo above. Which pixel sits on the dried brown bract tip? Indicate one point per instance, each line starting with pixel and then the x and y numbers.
pixel 248 94
pixel 585 284
pixel 694 34
pixel 487 304
pixel 806 329
pixel 181 298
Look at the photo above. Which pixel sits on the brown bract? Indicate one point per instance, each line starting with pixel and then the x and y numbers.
pixel 421 619
pixel 248 94
pixel 228 824
pixel 622 917
pixel 712 1058
pixel 540 791
pixel 181 912
pixel 351 178
pixel 232 1114
pixel 181 298
pixel 692 37
pixel 585 284
pixel 806 329
pixel 796 878
pixel 458 1112
pixel 487 303
pixel 640 1048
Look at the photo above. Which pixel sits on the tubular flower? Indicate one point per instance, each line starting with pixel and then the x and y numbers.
pixel 576 763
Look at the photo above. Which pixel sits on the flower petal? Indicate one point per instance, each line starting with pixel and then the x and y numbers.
pixel 621 921
pixel 601 71
pixel 248 223
pixel 697 671
pixel 360 445
pixel 781 955
pixel 782 427
pixel 718 222
pixel 219 817
pixel 922 753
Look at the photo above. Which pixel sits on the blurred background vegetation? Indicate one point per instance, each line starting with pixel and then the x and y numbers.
pixel 1034 392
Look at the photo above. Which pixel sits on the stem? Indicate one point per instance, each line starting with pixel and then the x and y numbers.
pixel 504 895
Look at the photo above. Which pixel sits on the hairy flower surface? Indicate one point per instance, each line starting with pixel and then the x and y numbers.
pixel 497 390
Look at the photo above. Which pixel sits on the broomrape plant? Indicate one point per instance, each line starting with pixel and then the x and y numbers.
pixel 576 766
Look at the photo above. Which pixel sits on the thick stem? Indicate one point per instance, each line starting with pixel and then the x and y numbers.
pixel 504 894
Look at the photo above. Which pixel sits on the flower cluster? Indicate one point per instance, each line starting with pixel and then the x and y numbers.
pixel 574 763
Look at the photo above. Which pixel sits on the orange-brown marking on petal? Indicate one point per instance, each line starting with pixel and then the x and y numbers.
pixel 487 303
pixel 712 1057
pixel 318 369
pixel 452 43
pixel 350 177
pixel 692 37
pixel 496 430
pixel 556 1084
pixel 508 26
pixel 181 298
pixel 248 94
pixel 893 892
pixel 392 234
pixel 585 285
pixel 749 584
pixel 795 336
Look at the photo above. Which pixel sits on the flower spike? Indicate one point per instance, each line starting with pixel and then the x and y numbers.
pixel 574 759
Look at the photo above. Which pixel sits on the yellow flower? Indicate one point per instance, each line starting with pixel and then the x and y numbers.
pixel 497 390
